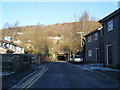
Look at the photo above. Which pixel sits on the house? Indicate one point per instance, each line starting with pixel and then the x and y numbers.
pixel 3 51
pixel 111 39
pixel 93 47
pixel 7 47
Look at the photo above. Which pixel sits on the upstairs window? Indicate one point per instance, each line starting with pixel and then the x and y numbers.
pixel 109 25
pixel 89 39
pixel 96 36
pixel 89 53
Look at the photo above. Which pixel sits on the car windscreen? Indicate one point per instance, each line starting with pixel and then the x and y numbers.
pixel 78 56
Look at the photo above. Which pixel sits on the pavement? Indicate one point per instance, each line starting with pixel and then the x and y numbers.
pixel 62 74
pixel 111 74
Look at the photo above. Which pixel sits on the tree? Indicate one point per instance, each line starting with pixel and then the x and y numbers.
pixel 7 25
pixel 84 17
pixel 16 24
pixel 46 50
pixel 86 24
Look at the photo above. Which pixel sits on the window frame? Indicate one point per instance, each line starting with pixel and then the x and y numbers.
pixel 89 55
pixel 109 23
pixel 96 36
pixel 108 45
pixel 89 39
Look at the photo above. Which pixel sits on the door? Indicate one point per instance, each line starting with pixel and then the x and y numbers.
pixel 109 54
pixel 97 54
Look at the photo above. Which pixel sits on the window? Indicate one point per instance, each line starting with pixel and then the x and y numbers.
pixel 78 56
pixel 96 36
pixel 89 53
pixel 89 39
pixel 110 25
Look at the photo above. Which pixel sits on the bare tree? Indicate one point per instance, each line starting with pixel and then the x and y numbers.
pixel 7 25
pixel 84 17
pixel 39 35
pixel 16 24
pixel 86 24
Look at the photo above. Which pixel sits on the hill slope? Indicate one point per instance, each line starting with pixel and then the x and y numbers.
pixel 39 36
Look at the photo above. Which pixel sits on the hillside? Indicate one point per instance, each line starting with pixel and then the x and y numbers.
pixel 39 36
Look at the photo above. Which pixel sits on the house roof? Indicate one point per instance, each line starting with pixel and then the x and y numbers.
pixel 5 41
pixel 110 15
pixel 91 33
pixel 1 48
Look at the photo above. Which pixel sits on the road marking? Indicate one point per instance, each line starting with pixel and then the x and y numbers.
pixel 41 66
pixel 32 79
pixel 37 78
pixel 17 85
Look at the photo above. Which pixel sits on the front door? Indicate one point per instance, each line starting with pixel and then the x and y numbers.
pixel 109 54
pixel 97 54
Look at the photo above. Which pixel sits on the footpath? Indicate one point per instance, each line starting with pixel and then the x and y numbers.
pixel 113 75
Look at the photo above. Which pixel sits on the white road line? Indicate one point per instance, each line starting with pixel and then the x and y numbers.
pixel 40 66
pixel 43 66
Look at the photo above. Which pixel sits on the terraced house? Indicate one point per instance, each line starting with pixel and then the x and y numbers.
pixel 103 45
pixel 8 47
pixel 93 46
pixel 111 38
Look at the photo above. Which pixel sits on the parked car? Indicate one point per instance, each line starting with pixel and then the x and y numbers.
pixel 77 59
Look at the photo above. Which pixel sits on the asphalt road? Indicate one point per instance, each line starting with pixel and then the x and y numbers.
pixel 67 75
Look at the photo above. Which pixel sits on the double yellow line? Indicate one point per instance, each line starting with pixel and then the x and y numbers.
pixel 36 77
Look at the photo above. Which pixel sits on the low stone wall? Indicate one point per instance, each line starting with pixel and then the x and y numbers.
pixel 15 62
pixel 36 59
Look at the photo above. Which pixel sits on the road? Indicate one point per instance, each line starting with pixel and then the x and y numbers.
pixel 67 75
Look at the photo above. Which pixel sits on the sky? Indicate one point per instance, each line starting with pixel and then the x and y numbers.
pixel 47 13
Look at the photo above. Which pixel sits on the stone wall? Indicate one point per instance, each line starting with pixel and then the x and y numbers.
pixel 15 62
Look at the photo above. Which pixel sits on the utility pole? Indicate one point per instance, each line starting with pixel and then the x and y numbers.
pixel 81 37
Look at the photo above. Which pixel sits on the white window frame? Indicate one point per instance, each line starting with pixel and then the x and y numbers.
pixel 107 51
pixel 89 39
pixel 96 36
pixel 110 24
pixel 89 55
pixel 96 54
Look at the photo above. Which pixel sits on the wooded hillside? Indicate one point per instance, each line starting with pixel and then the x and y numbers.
pixel 37 38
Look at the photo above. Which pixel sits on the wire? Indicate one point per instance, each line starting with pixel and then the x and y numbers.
pixel 38 9
pixel 41 14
